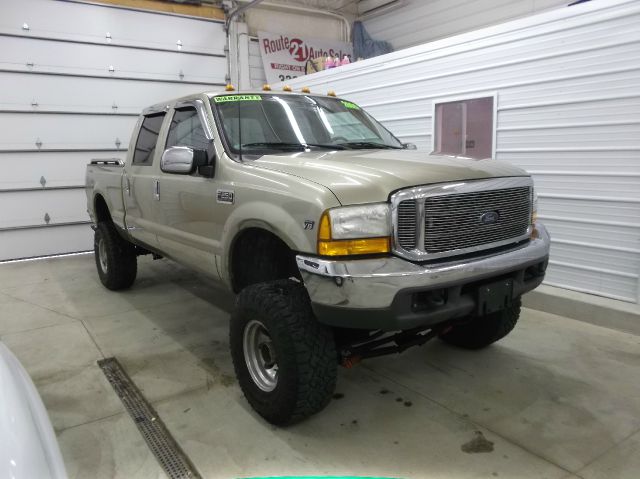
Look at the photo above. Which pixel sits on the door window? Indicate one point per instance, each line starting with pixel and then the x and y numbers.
pixel 186 130
pixel 147 139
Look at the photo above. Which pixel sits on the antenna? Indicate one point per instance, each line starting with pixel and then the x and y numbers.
pixel 239 129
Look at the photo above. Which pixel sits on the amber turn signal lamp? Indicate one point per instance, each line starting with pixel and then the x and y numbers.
pixel 329 247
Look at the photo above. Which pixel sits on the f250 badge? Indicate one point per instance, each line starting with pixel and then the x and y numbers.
pixel 225 197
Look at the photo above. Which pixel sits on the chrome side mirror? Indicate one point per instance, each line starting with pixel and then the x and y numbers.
pixel 177 159
pixel 409 146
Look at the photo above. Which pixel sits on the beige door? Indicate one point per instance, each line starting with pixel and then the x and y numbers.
pixel 140 182
pixel 188 230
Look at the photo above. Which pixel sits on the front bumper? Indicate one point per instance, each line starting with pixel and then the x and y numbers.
pixel 391 293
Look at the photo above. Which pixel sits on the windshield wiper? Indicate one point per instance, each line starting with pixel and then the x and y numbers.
pixel 303 146
pixel 369 144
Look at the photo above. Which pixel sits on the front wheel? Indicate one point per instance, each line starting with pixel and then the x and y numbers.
pixel 115 258
pixel 481 331
pixel 285 361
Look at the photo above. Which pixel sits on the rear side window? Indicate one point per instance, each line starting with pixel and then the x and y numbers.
pixel 186 130
pixel 147 139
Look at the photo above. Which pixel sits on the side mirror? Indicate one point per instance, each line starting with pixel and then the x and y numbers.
pixel 182 160
pixel 409 146
pixel 177 159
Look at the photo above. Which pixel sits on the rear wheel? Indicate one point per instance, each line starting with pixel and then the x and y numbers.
pixel 115 257
pixel 481 331
pixel 285 361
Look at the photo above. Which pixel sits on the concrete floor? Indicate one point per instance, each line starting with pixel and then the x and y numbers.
pixel 558 398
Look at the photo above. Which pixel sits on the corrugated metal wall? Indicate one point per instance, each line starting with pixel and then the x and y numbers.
pixel 567 84
pixel 73 78
pixel 416 21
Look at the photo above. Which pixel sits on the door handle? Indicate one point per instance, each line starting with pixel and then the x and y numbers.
pixel 127 185
pixel 156 189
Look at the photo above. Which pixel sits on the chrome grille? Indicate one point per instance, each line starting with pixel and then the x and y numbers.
pixel 454 221
pixel 449 219
pixel 407 224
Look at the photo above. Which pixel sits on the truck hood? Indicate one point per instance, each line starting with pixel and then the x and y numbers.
pixel 367 176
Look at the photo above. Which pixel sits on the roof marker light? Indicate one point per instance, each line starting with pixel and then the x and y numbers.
pixel 229 87
pixel 331 93
pixel 305 89
pixel 266 87
pixel 286 88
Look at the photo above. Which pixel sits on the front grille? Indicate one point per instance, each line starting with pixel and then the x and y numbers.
pixel 438 221
pixel 455 221
pixel 407 224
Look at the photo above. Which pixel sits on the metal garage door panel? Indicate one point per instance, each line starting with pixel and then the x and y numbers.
pixel 587 112
pixel 43 241
pixel 28 208
pixel 22 130
pixel 537 162
pixel 601 136
pixel 57 168
pixel 19 90
pixel 590 210
pixel 599 283
pixel 574 82
pixel 614 235
pixel 624 262
pixel 127 27
pixel 77 58
pixel 621 187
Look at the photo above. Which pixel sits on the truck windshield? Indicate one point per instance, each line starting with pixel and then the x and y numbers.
pixel 267 122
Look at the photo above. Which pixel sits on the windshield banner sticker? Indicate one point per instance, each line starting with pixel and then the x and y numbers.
pixel 350 105
pixel 222 99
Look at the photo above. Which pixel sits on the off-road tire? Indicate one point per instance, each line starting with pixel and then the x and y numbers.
pixel 304 348
pixel 121 260
pixel 481 331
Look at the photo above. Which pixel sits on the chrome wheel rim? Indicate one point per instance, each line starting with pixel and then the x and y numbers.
pixel 102 255
pixel 260 356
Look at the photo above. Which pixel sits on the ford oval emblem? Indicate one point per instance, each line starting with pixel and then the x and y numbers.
pixel 490 217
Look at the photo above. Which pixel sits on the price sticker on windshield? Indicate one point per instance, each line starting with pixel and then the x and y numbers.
pixel 222 99
pixel 351 106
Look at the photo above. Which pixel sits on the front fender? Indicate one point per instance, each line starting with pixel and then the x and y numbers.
pixel 289 226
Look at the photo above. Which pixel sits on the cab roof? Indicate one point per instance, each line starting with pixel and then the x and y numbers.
pixel 166 105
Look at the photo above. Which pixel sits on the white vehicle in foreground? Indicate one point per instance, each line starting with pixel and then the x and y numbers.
pixel 28 445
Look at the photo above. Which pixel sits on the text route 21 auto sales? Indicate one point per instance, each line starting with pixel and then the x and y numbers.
pixel 297 48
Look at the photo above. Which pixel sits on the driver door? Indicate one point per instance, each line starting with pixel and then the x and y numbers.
pixel 188 231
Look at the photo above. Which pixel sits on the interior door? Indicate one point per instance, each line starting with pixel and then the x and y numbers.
pixel 188 227
pixel 140 182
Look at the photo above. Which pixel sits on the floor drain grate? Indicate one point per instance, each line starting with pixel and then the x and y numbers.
pixel 171 457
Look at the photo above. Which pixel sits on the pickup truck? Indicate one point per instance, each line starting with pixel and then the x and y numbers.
pixel 341 242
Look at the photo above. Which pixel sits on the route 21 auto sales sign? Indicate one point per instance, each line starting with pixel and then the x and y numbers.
pixel 285 56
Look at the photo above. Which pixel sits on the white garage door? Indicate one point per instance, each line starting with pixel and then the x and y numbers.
pixel 73 78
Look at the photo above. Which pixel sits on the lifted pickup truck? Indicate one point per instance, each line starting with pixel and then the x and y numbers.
pixel 341 241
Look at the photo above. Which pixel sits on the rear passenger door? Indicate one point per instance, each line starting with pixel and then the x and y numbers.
pixel 140 181
pixel 187 227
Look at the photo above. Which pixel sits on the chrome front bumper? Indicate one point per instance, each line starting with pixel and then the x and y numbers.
pixel 340 289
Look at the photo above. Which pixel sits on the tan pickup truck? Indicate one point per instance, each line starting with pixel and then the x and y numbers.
pixel 341 242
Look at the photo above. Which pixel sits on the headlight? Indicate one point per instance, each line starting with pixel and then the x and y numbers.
pixel 349 230
pixel 534 205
